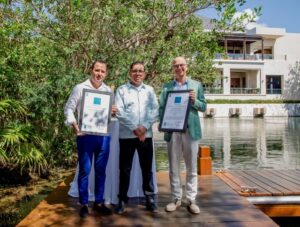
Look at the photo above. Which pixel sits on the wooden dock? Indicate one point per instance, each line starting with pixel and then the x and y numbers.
pixel 275 192
pixel 220 206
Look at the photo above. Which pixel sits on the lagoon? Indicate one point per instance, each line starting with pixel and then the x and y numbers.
pixel 247 143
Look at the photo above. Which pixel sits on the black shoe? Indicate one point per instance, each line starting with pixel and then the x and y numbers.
pixel 151 205
pixel 101 208
pixel 84 211
pixel 120 207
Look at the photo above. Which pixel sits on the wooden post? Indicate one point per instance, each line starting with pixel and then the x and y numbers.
pixel 204 161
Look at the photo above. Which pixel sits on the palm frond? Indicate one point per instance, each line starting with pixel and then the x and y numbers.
pixel 15 134
pixel 10 105
pixel 3 156
pixel 30 158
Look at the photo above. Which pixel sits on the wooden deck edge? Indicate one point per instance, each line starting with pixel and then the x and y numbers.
pixel 271 210
pixel 280 210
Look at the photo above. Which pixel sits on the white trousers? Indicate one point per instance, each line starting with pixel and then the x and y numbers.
pixel 181 144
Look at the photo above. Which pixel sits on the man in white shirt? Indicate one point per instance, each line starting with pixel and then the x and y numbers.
pixel 137 111
pixel 90 145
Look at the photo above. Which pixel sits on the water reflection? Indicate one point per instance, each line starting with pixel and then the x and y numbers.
pixel 270 143
pixel 261 143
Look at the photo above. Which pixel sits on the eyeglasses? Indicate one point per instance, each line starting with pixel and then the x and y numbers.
pixel 179 65
pixel 137 71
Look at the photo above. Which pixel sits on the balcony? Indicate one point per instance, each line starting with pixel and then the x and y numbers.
pixel 213 90
pixel 252 91
pixel 253 57
pixel 248 91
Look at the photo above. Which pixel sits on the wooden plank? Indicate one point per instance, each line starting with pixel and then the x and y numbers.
pixel 269 179
pixel 298 170
pixel 265 182
pixel 289 174
pixel 264 190
pixel 230 181
pixel 267 188
pixel 238 224
pixel 260 191
pixel 294 188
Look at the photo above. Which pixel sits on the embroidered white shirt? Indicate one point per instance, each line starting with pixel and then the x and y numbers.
pixel 136 106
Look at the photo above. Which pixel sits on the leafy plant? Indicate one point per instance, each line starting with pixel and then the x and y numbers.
pixel 20 148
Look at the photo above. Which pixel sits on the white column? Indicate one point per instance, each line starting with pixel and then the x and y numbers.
pixel 263 82
pixel 226 80
pixel 258 80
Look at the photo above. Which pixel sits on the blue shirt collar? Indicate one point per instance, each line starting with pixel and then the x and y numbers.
pixel 175 83
pixel 138 88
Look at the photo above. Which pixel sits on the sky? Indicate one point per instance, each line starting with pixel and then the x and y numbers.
pixel 275 13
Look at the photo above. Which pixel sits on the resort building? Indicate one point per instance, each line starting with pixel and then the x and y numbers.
pixel 261 63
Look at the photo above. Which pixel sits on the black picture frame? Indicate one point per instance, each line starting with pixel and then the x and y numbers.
pixel 176 110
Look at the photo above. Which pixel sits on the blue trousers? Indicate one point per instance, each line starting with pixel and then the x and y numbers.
pixel 89 145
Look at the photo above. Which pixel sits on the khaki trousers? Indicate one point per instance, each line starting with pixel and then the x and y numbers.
pixel 181 144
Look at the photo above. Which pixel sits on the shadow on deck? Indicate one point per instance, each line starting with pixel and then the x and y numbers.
pixel 219 204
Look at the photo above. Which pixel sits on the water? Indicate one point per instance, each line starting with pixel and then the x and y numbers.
pixel 238 144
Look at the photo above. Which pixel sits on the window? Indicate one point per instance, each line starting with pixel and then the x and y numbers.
pixel 273 84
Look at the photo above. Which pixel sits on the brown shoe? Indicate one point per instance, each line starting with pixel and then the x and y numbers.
pixel 173 205
pixel 193 208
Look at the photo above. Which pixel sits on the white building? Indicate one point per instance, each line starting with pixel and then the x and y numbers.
pixel 262 63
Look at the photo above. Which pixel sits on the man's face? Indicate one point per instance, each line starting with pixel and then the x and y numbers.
pixel 137 74
pixel 98 73
pixel 179 67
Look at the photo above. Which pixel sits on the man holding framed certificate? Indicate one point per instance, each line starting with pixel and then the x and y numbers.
pixel 92 100
pixel 180 101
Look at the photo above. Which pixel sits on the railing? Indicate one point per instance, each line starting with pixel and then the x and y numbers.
pixel 273 91
pixel 268 56
pixel 213 90
pixel 216 90
pixel 242 57
pixel 244 91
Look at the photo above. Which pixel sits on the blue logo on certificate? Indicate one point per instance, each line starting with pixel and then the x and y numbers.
pixel 97 101
pixel 178 99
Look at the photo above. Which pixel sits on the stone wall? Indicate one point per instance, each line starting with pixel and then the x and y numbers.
pixel 250 110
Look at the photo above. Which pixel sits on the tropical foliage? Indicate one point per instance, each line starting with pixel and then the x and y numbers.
pixel 20 148
pixel 47 47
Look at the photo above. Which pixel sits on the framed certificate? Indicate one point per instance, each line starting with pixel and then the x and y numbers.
pixel 176 110
pixel 95 112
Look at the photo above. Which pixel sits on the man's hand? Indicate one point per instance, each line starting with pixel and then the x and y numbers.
pixel 114 110
pixel 140 132
pixel 142 138
pixel 142 129
pixel 192 96
pixel 77 130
